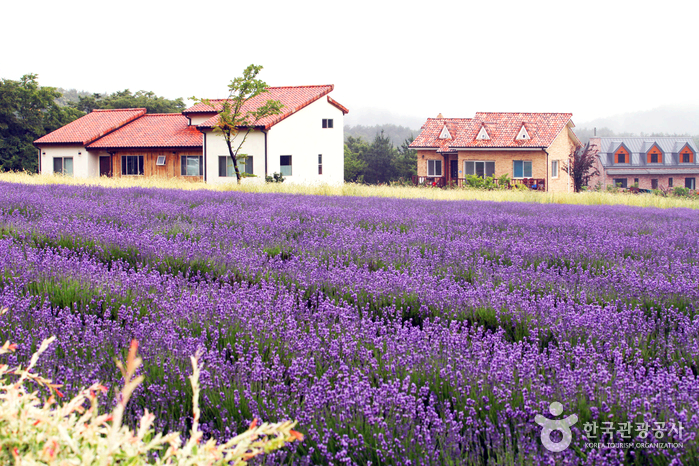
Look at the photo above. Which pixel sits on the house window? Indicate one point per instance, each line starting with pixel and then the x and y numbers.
pixel 635 182
pixel 687 156
pixel 63 165
pixel 654 183
pixel 320 164
pixel 192 165
pixel 554 168
pixel 690 183
pixel 478 168
pixel 434 168
pixel 620 182
pixel 285 165
pixel 669 182
pixel 132 165
pixel 226 168
pixel 327 122
pixel 522 169
pixel 161 160
pixel 622 156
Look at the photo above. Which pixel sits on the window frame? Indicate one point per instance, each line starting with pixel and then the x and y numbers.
pixel 63 166
pixel 320 164
pixel 624 182
pixel 486 165
pixel 183 164
pixel 554 172
pixel 670 182
pixel 290 165
pixel 125 168
pixel 328 123
pixel 164 160
pixel 523 176
pixel 435 163
pixel 654 183
pixel 690 183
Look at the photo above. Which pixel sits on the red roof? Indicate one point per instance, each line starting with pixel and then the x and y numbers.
pixel 502 129
pixel 293 98
pixel 152 130
pixel 95 124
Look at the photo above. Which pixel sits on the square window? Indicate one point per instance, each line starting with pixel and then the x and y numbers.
pixel 653 158
pixel 132 165
pixel 327 122
pixel 285 165
pixel 522 169
pixel 161 160
pixel 434 168
pixel 192 165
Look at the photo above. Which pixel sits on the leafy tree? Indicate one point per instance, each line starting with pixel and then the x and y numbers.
pixel 581 166
pixel 126 99
pixel 234 120
pixel 379 159
pixel 355 150
pixel 27 112
pixel 406 160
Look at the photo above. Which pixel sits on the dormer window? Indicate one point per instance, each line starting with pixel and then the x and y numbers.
pixel 655 155
pixel 482 134
pixel 522 135
pixel 686 155
pixel 622 156
pixel 445 133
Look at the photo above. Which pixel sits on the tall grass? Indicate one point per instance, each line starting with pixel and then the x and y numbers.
pixel 360 190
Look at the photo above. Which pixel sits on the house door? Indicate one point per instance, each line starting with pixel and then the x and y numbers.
pixel 105 166
pixel 454 169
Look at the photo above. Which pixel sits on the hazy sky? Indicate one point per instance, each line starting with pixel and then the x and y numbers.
pixel 412 59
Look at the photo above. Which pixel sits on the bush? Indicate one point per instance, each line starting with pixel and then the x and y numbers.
pixel 73 432
pixel 679 191
pixel 274 178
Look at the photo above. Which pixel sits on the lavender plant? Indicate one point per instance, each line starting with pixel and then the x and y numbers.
pixel 395 331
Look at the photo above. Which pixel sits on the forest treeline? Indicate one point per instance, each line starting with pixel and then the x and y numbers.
pixel 378 161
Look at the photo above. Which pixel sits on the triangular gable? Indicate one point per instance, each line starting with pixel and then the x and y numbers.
pixel 686 149
pixel 622 149
pixel 523 135
pixel 445 133
pixel 654 150
pixel 482 134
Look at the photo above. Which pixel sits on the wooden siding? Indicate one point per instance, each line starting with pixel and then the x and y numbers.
pixel 172 167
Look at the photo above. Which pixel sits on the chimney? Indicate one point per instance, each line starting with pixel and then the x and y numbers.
pixel 440 116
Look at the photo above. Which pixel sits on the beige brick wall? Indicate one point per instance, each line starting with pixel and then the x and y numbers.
pixel 561 150
pixel 503 161
pixel 423 156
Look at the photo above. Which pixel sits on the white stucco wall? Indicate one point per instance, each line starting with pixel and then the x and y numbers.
pixel 303 137
pixel 300 135
pixel 216 146
pixel 84 165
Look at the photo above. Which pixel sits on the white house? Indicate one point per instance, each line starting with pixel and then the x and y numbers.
pixel 305 142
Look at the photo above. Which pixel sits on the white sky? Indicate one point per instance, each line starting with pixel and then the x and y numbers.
pixel 412 59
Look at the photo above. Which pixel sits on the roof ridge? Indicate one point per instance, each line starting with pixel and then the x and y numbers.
pixel 119 109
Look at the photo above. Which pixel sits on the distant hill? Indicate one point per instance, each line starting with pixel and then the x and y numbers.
pixel 397 134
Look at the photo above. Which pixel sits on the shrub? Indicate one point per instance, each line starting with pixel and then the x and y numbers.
pixel 274 178
pixel 679 191
pixel 73 432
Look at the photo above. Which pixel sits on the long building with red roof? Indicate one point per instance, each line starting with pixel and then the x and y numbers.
pixel 304 142
pixel 530 148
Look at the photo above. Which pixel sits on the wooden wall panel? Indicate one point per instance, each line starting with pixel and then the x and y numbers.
pixel 169 170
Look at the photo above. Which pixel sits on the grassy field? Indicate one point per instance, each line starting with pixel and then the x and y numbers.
pixel 353 189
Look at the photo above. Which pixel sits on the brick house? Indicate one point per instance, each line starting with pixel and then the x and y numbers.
pixel 305 142
pixel 646 162
pixel 531 148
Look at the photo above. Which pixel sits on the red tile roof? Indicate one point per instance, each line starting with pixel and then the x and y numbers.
pixel 157 130
pixel 95 124
pixel 502 129
pixel 337 104
pixel 294 98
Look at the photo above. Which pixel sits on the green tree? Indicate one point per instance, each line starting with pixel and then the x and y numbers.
pixel 581 166
pixel 406 160
pixel 379 159
pixel 234 120
pixel 355 166
pixel 127 99
pixel 27 112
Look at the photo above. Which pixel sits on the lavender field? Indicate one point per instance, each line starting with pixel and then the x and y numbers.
pixel 395 331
